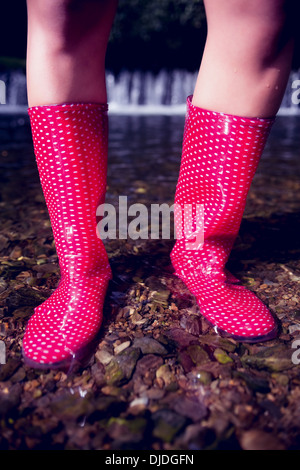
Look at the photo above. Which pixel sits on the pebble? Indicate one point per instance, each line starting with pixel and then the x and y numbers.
pixel 121 347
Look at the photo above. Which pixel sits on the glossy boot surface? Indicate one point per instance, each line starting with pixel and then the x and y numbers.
pixel 70 143
pixel 220 156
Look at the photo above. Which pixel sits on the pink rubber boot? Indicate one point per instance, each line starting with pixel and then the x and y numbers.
pixel 220 156
pixel 70 143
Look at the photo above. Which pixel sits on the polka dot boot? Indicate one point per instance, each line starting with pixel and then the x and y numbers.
pixel 219 159
pixel 70 143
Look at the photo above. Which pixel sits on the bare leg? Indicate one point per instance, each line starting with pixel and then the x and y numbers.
pixel 247 58
pixel 67 41
pixel 68 115
pixel 241 82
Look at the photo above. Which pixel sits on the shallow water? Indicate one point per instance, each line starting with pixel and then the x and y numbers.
pixel 144 160
pixel 143 164
pixel 144 155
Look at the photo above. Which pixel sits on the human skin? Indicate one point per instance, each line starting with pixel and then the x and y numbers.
pixel 67 42
pixel 247 57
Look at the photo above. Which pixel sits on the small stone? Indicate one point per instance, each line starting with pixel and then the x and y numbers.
pixel 186 361
pixel 257 384
pixel 160 294
pixel 293 328
pixel 149 346
pixel 22 313
pixel 121 347
pixel 218 342
pixel 192 324
pixel 199 376
pixel 10 399
pixel 141 402
pixel 154 393
pixel 25 296
pixel 181 338
pixel 167 424
pixel 104 356
pixel 3 285
pixel 256 439
pixel 111 391
pixel 222 357
pixel 197 354
pixel 164 372
pixel 23 276
pixel 274 359
pixel 281 379
pixel 8 369
pixel 148 363
pixel 127 430
pixel 137 319
pixel 71 406
pixel 125 312
pixel 121 367
pixel 16 252
pixel 191 408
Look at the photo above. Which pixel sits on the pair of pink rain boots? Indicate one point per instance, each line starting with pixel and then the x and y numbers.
pixel 220 156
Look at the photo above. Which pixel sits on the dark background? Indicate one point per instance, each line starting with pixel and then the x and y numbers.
pixel 147 34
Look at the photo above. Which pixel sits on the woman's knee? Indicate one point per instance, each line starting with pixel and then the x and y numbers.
pixel 261 27
pixel 69 22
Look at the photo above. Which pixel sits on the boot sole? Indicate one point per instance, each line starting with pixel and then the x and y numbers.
pixel 80 359
pixel 245 339
pixel 241 339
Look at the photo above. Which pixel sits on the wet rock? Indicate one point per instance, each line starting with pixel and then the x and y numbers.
pixel 281 379
pixel 71 406
pixel 218 342
pixel 104 356
pixel 127 430
pixel 275 359
pixel 167 424
pixel 121 347
pixel 137 319
pixel 272 408
pixel 165 373
pixel 192 324
pixel 257 384
pixel 22 313
pixel 3 285
pixel 256 439
pixel 140 402
pixel 196 437
pixel 148 363
pixel 16 252
pixel 98 372
pixel 8 369
pixel 185 361
pixel 109 405
pixel 144 374
pixel 198 376
pixel 112 391
pixel 154 393
pixel 10 399
pixel 160 294
pixel 181 338
pixel 197 354
pixel 149 346
pixel 18 376
pixel 191 408
pixel 222 357
pixel 25 296
pixel 121 367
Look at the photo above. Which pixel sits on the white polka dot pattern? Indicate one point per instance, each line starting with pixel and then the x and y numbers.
pixel 70 143
pixel 219 159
